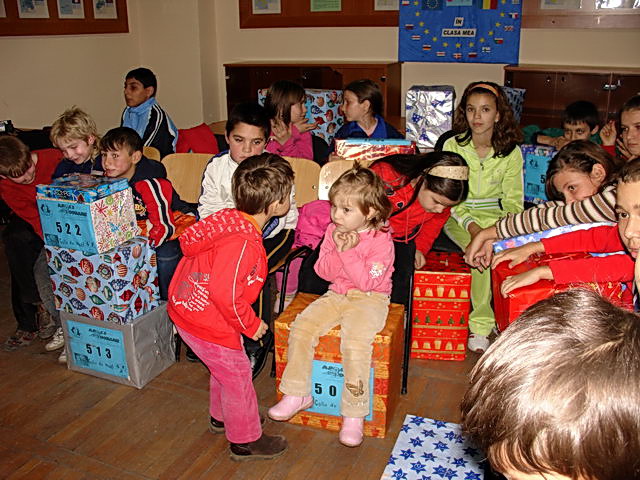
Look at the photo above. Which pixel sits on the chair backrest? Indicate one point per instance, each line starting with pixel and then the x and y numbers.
pixel 329 173
pixel 185 170
pixel 307 174
pixel 151 152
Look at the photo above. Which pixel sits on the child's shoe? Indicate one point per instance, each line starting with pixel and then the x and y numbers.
pixel 63 356
pixel 265 448
pixel 351 432
pixel 19 339
pixel 477 343
pixel 286 408
pixel 217 426
pixel 56 342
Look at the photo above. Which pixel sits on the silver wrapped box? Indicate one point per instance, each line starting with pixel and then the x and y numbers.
pixel 429 113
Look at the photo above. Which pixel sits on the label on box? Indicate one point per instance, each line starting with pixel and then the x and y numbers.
pixel 97 348
pixel 327 380
pixel 536 160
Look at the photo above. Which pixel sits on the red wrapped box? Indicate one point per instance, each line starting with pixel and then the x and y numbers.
pixel 441 306
pixel 367 150
pixel 508 309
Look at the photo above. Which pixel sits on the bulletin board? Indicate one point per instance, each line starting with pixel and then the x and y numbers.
pixel 62 17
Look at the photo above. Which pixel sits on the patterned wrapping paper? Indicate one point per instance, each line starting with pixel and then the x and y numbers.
pixel 441 306
pixel 117 286
pixel 433 449
pixel 386 362
pixel 367 149
pixel 536 160
pixel 92 214
pixel 515 96
pixel 429 113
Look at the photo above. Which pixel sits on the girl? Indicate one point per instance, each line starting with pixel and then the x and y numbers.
pixel 422 189
pixel 487 137
pixel 356 256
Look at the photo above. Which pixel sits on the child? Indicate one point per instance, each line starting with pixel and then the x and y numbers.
pixel 75 134
pixel 487 138
pixel 143 113
pixel 422 189
pixel 362 108
pixel 556 396
pixel 161 214
pixel 286 107
pixel 356 256
pixel 220 276
pixel 629 143
pixel 580 121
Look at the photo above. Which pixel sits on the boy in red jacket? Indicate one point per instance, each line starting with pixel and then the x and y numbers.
pixel 221 274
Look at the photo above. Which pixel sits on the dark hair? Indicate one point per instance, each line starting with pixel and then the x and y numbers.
pixel 15 157
pixel 365 89
pixel 630 172
pixel 581 156
pixel 581 111
pixel 146 77
pixel 417 166
pixel 506 134
pixel 121 137
pixel 282 96
pixel 250 113
pixel 632 104
pixel 261 180
pixel 558 391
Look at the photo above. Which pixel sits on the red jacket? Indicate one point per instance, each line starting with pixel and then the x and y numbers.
pixel 613 268
pixel 22 198
pixel 221 274
pixel 428 225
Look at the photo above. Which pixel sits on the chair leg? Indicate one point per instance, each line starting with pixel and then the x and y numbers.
pixel 408 326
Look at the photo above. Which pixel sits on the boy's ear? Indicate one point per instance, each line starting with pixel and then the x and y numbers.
pixel 91 140
pixel 136 156
pixel 149 91
pixel 598 173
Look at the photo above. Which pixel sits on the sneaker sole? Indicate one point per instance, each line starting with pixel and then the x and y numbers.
pixel 286 419
pixel 249 458
pixel 57 347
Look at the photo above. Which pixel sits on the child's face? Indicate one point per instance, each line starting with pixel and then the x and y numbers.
pixel 353 110
pixel 245 141
pixel 578 131
pixel 120 163
pixel 76 150
pixel 26 178
pixel 575 185
pixel 346 215
pixel 481 113
pixel 630 123
pixel 628 213
pixel 134 92
pixel 433 202
pixel 298 112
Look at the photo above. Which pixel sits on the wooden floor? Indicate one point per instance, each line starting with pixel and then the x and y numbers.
pixel 58 424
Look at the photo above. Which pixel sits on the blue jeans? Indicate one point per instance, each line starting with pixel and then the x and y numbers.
pixel 167 255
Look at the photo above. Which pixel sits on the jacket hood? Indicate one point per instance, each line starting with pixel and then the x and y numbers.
pixel 219 227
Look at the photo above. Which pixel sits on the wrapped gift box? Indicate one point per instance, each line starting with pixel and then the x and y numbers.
pixel 327 370
pixel 429 113
pixel 117 286
pixel 515 96
pixel 367 150
pixel 536 160
pixel 441 306
pixel 88 213
pixel 508 309
pixel 131 354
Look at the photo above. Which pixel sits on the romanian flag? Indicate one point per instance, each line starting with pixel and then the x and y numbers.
pixel 488 4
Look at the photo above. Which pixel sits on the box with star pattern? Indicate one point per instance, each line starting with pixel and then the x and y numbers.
pixel 429 113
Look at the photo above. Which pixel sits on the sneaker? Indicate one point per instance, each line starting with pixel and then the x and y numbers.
pixel 217 426
pixel 288 406
pixel 265 448
pixel 46 323
pixel 56 342
pixel 352 431
pixel 19 339
pixel 63 356
pixel 477 343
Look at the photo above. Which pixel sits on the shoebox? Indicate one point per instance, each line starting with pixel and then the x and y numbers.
pixel 441 306
pixel 87 213
pixel 520 240
pixel 427 448
pixel 367 150
pixel 515 97
pixel 131 354
pixel 327 376
pixel 117 286
pixel 429 113
pixel 534 171
pixel 508 309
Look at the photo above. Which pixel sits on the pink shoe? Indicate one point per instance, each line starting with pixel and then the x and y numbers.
pixel 351 432
pixel 286 408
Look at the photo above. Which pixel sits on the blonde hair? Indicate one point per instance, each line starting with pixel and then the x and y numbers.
pixel 76 124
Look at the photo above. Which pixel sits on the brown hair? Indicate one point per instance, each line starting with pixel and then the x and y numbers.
pixel 281 97
pixel 368 192
pixel 366 89
pixel 630 172
pixel 74 123
pixel 558 391
pixel 15 157
pixel 506 134
pixel 261 180
pixel 581 156
pixel 121 137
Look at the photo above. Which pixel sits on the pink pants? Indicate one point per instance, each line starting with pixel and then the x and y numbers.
pixel 232 398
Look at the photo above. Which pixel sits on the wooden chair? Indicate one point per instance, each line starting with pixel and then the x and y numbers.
pixel 185 170
pixel 307 174
pixel 330 172
pixel 151 152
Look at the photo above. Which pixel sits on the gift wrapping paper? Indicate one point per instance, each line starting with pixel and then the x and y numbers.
pixel 429 113
pixel 366 150
pixel 82 188
pixel 515 96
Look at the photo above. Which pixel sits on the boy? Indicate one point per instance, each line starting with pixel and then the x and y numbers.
pixel 161 214
pixel 20 172
pixel 143 113
pixel 629 141
pixel 220 276
pixel 247 132
pixel 580 121
pixel 556 396
pixel 76 136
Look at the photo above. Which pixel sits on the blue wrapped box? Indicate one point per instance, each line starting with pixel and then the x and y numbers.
pixel 117 286
pixel 536 160
pixel 429 113
pixel 515 96
pixel 88 213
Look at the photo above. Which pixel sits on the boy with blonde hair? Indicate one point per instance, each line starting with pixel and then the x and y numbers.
pixel 75 134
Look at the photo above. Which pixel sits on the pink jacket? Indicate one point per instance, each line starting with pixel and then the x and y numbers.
pixel 366 267
pixel 299 145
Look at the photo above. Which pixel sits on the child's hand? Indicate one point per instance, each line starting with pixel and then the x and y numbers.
pixel 524 279
pixel 477 247
pixel 624 151
pixel 262 329
pixel 280 132
pixel 608 133
pixel 306 126
pixel 483 257
pixel 352 239
pixel 419 261
pixel 338 239
pixel 517 255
